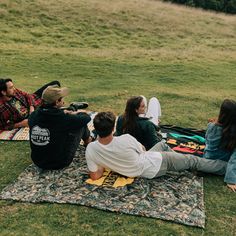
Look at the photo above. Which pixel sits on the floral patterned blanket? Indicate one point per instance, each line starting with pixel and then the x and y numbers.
pixel 177 197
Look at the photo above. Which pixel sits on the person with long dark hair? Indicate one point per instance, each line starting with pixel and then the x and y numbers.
pixel 140 124
pixel 221 140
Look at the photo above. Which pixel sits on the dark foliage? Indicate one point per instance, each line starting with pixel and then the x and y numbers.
pixel 227 6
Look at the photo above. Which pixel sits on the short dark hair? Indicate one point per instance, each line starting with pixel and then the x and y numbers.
pixel 3 85
pixel 104 123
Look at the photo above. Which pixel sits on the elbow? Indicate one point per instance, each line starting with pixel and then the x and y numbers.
pixel 94 176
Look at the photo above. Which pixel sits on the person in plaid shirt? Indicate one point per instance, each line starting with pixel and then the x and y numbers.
pixel 16 105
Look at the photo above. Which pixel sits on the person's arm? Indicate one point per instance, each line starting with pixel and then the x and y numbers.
pixel 23 123
pixel 97 174
pixel 119 127
pixel 136 145
pixel 230 176
pixel 27 96
pixel 212 120
pixel 144 149
pixel 78 120
pixel 31 109
pixel 232 187
pixel 95 171
pixel 151 134
pixel 7 120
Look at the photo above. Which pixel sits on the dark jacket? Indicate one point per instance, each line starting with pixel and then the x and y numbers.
pixel 145 133
pixel 50 134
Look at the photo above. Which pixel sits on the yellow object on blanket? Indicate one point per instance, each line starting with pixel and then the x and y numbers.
pixel 111 179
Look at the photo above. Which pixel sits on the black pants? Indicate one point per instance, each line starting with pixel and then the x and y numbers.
pixel 40 91
pixel 69 150
pixel 73 143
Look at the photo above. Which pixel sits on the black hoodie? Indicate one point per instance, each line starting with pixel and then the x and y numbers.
pixel 50 133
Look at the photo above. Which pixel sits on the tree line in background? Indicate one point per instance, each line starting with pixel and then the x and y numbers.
pixel 227 6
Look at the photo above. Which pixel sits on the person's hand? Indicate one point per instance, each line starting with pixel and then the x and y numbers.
pixel 74 112
pixel 213 120
pixel 232 187
pixel 69 112
pixel 31 109
pixel 24 123
pixel 81 111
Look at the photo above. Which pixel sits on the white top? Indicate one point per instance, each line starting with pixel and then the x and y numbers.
pixel 124 155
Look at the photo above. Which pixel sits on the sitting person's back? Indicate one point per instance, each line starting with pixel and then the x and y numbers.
pixel 213 149
pixel 123 155
pixel 221 140
pixel 132 122
pixel 54 133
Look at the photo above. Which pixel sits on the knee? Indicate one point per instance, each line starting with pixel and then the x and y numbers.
pixel 56 82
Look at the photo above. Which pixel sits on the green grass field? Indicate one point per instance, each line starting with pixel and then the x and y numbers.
pixel 105 51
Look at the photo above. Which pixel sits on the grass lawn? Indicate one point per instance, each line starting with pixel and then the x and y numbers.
pixel 105 51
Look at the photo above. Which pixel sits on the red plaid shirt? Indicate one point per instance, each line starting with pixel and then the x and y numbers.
pixel 9 115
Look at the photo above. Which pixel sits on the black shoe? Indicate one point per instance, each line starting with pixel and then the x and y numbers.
pixel 78 105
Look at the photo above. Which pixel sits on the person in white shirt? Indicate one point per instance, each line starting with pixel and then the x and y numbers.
pixel 126 156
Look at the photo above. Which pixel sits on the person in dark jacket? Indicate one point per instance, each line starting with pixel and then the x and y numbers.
pixel 135 123
pixel 55 133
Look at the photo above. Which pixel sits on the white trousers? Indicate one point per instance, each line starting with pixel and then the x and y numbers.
pixel 153 110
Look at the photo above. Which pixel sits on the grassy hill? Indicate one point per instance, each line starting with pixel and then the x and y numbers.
pixel 105 51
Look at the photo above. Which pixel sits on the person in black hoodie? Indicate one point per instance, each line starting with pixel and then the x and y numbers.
pixel 55 133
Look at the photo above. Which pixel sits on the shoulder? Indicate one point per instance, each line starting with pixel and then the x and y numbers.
pixel 35 113
pixel 144 120
pixel 19 92
pixel 120 119
pixel 91 147
pixel 127 138
pixel 146 123
pixel 213 126
pixel 213 129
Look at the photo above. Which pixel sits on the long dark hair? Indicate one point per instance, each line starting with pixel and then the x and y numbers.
pixel 130 115
pixel 227 119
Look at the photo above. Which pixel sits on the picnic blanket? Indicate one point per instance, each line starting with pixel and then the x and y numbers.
pixel 177 197
pixel 20 134
pixel 184 140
